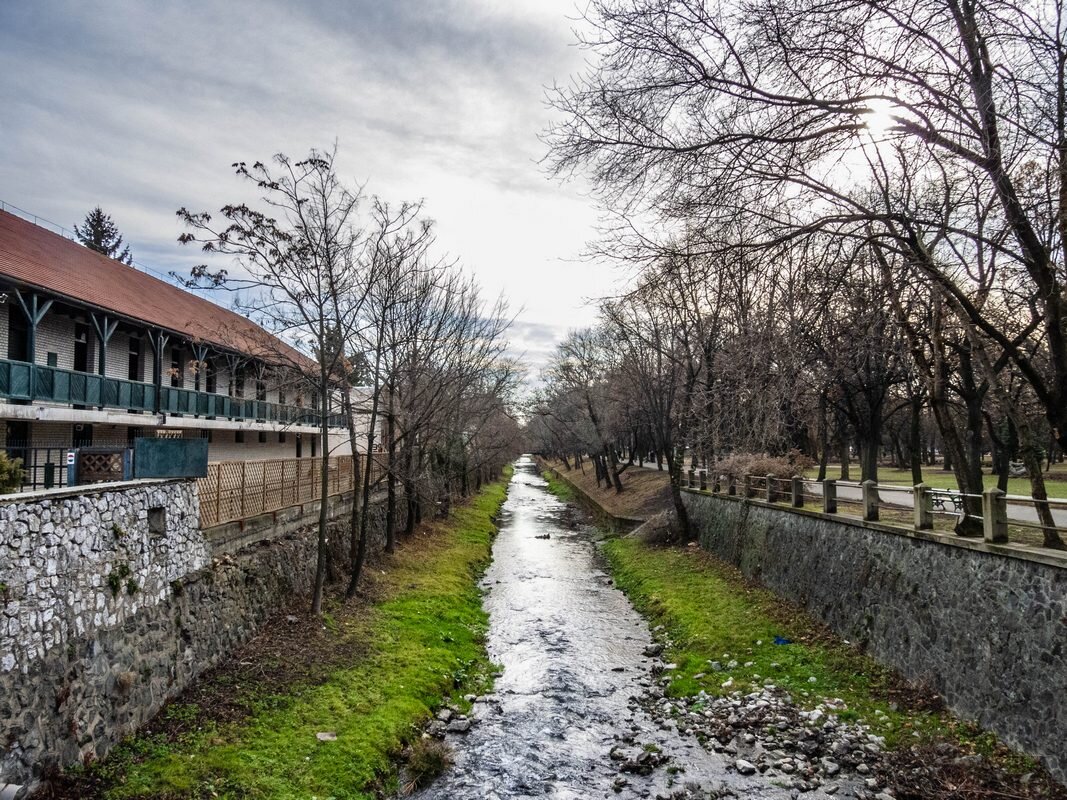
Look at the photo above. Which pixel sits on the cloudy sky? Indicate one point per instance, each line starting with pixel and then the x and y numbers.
pixel 142 107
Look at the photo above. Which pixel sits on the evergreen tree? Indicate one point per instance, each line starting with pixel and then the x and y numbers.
pixel 98 232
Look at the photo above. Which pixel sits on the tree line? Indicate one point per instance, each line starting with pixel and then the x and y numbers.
pixel 847 223
pixel 386 331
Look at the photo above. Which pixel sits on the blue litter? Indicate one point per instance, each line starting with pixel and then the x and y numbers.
pixel 781 640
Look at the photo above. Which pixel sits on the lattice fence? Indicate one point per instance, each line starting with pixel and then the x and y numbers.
pixel 235 490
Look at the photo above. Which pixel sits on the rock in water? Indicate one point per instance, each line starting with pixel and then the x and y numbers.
pixel 744 767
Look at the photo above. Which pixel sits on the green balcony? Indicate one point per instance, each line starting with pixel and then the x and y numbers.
pixel 22 381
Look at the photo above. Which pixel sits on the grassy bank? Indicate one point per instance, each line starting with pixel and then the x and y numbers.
pixel 724 635
pixel 711 614
pixel 560 489
pixel 415 643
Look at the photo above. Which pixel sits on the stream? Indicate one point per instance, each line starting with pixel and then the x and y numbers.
pixel 571 648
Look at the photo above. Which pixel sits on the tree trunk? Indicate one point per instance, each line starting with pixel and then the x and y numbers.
pixel 1001 456
pixel 824 438
pixel 674 466
pixel 324 489
pixel 390 501
pixel 915 444
pixel 1037 490
pixel 358 553
pixel 612 467
pixel 409 489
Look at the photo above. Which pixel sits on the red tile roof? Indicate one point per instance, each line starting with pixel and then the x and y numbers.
pixel 33 255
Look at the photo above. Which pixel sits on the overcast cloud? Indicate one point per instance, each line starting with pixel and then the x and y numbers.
pixel 142 107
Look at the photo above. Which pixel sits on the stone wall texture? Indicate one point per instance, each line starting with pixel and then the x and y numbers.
pixel 104 616
pixel 984 627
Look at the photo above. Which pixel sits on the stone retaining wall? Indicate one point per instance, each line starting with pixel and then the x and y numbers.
pixel 104 614
pixel 984 626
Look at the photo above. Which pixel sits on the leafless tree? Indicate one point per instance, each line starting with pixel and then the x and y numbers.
pixel 294 254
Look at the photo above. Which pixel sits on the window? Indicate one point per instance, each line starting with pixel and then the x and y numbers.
pixel 133 433
pixel 133 371
pixel 261 391
pixel 281 438
pixel 211 379
pixel 206 434
pixel 262 437
pixel 81 347
pixel 83 436
pixel 314 441
pixel 157 521
pixel 239 437
pixel 53 359
pixel 177 367
pixel 281 396
pixel 18 336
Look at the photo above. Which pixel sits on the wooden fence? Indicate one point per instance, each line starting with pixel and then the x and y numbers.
pixel 236 490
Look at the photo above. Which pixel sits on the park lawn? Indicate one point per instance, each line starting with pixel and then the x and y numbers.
pixel 424 636
pixel 937 478
pixel 710 613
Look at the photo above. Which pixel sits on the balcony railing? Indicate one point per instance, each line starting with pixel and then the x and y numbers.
pixel 20 380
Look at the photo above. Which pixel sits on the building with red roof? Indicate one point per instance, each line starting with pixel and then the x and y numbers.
pixel 96 352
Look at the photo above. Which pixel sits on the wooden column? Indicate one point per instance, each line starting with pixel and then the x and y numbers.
pixel 158 341
pixel 34 308
pixel 105 329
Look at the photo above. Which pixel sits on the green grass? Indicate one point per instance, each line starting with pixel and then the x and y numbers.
pixel 710 614
pixel 560 489
pixel 937 478
pixel 424 645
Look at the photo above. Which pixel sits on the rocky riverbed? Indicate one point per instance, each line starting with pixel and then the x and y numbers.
pixel 578 709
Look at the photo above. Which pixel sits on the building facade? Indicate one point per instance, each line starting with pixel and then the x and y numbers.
pixel 94 353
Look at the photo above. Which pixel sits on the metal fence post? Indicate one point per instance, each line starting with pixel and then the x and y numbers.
pixel 703 481
pixel 771 494
pixel 798 491
pixel 691 478
pixel 746 485
pixel 924 507
pixel 829 496
pixel 870 500
pixel 244 471
pixel 994 515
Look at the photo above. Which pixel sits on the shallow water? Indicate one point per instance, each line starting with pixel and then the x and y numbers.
pixel 571 647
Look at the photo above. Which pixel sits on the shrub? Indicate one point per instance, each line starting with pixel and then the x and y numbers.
pixel 739 464
pixel 428 759
pixel 10 473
